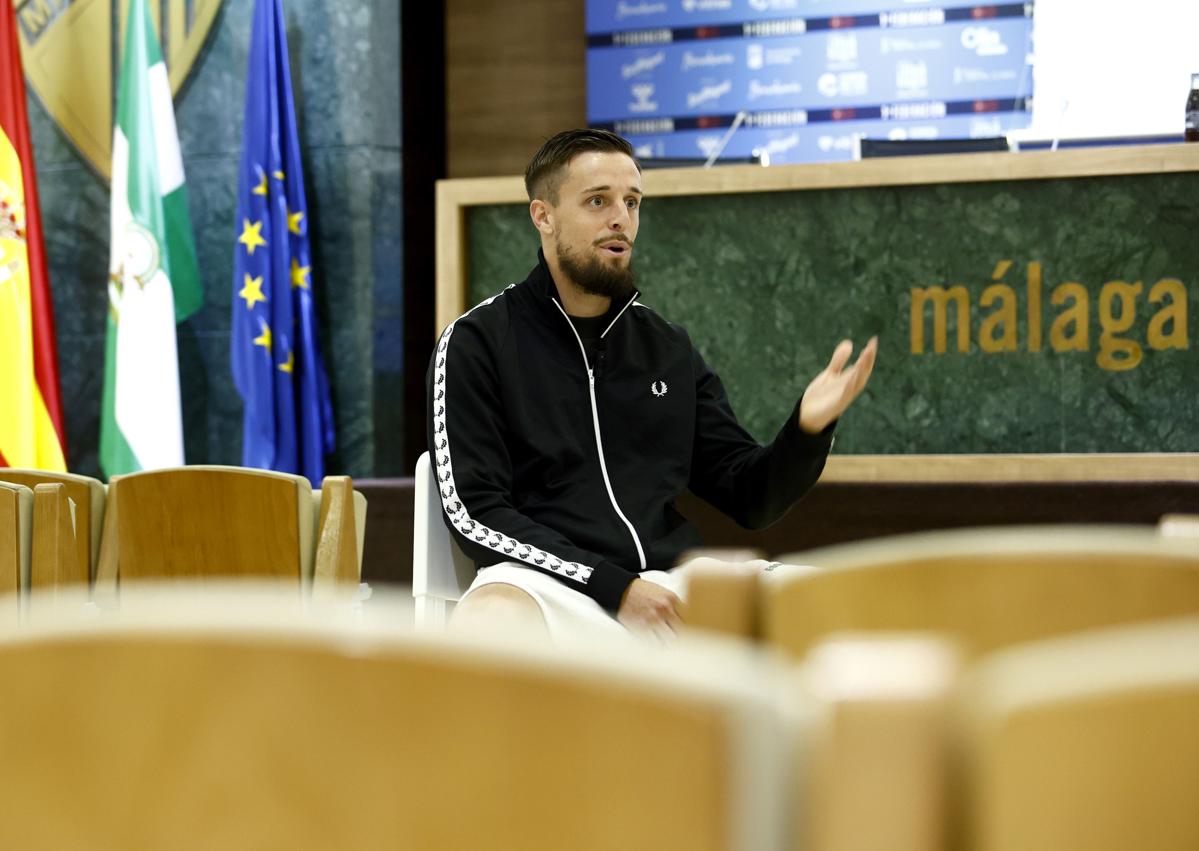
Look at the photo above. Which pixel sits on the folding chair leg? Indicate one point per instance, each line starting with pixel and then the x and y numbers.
pixel 431 613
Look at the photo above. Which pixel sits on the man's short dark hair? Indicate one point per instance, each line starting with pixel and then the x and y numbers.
pixel 546 170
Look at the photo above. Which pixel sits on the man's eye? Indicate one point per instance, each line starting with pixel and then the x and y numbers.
pixel 633 203
pixel 596 201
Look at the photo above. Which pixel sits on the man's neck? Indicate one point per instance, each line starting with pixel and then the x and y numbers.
pixel 575 301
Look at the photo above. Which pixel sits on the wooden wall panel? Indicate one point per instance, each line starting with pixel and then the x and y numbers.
pixel 515 75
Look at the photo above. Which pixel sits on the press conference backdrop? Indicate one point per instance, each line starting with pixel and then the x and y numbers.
pixel 810 75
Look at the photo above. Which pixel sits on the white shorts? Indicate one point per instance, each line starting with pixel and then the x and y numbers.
pixel 567 611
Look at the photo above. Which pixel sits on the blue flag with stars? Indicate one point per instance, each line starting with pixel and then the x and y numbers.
pixel 277 364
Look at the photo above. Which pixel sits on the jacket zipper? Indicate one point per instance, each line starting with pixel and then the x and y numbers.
pixel 599 446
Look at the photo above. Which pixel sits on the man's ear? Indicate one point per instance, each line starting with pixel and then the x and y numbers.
pixel 542 216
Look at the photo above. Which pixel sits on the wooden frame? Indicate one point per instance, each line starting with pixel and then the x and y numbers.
pixel 455 197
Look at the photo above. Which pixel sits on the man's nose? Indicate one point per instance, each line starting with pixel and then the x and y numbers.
pixel 620 218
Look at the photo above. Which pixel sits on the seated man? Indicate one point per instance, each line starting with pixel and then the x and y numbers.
pixel 566 417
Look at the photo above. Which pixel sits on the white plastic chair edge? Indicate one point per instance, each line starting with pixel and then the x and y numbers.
pixel 441 572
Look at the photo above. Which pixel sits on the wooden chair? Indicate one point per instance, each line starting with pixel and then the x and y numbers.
pixel 875 771
pixel 213 522
pixel 219 720
pixel 987 588
pixel 89 497
pixel 1089 741
pixel 56 561
pixel 16 545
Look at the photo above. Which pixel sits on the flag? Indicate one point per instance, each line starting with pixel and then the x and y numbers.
pixel 153 279
pixel 277 366
pixel 31 424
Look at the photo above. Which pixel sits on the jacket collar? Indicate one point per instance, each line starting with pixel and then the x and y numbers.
pixel 543 283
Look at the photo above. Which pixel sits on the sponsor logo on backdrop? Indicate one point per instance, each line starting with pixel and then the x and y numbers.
pixel 643 92
pixel 626 9
pixel 842 48
pixel 765 29
pixel 643 151
pixel 844 84
pixel 777 118
pixel 691 6
pixel 710 59
pixel 641 38
pixel 643 65
pixel 707 144
pixel 911 78
pixel 901 134
pixel 709 93
pixel 66 42
pixel 982 75
pixel 773 89
pixel 774 5
pixel 903 44
pixel 984 41
pixel 644 126
pixel 986 128
pixel 914 111
pixel 782 144
pixel 829 142
pixel 758 56
pixel 912 18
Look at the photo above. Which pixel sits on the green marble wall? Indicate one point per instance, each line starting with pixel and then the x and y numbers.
pixel 768 283
pixel 346 72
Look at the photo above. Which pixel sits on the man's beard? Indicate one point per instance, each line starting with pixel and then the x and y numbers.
pixel 595 277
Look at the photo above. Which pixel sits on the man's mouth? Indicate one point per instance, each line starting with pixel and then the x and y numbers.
pixel 616 247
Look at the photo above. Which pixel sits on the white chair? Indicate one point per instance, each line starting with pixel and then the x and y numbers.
pixel 441 572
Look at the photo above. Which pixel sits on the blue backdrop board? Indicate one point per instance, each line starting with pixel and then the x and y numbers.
pixel 809 75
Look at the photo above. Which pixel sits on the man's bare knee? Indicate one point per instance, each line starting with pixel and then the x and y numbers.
pixel 498 604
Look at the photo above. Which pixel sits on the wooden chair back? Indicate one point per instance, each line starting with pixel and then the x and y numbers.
pixel 196 522
pixel 16 540
pixel 1089 741
pixel 89 496
pixel 341 529
pixel 986 588
pixel 199 725
pixel 876 768
pixel 55 561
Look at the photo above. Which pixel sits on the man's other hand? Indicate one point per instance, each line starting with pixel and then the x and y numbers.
pixel 650 608
pixel 832 391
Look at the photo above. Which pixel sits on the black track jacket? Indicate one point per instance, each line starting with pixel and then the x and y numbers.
pixel 544 461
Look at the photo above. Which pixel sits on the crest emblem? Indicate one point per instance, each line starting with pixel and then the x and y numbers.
pixel 71 53
pixel 658 388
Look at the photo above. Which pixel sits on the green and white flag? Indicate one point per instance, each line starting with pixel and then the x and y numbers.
pixel 153 279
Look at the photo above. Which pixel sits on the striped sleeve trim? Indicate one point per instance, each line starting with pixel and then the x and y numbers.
pixel 504 545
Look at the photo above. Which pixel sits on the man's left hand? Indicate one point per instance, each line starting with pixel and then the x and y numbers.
pixel 834 389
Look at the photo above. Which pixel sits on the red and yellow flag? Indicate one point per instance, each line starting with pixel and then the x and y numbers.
pixel 31 426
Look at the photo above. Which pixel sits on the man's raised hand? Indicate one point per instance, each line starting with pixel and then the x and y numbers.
pixel 832 391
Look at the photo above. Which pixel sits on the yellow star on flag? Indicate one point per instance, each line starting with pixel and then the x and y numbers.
pixel 278 175
pixel 252 291
pixel 293 221
pixel 290 364
pixel 264 339
pixel 251 237
pixel 260 189
pixel 299 275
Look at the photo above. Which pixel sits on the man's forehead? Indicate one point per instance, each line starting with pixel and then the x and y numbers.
pixel 596 170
